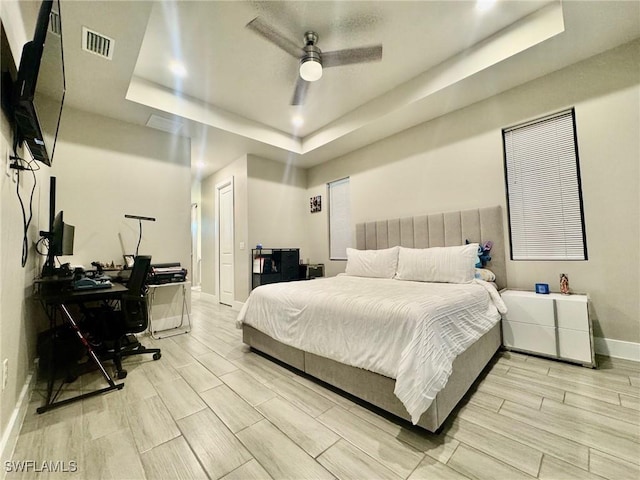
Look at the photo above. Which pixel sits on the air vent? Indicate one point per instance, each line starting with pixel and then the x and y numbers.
pixel 164 124
pixel 54 23
pixel 96 43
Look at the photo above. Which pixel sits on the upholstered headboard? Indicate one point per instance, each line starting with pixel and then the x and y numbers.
pixel 440 230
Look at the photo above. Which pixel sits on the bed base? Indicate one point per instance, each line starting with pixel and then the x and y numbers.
pixel 377 389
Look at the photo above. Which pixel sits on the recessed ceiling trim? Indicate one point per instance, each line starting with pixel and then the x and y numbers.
pixel 518 37
pixel 156 96
pixel 508 43
pixel 97 43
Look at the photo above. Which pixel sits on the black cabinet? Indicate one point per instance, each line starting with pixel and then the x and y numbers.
pixel 272 265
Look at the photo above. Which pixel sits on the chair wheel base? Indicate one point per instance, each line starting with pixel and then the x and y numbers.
pixel 156 356
pixel 121 374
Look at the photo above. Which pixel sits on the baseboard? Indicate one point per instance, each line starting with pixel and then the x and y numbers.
pixel 10 435
pixel 237 306
pixel 617 348
pixel 213 299
pixel 208 297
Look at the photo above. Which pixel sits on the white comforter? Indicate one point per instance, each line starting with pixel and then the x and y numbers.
pixel 410 331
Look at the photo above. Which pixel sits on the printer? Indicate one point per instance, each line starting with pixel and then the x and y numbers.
pixel 162 273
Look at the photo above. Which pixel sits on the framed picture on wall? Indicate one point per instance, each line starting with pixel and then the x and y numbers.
pixel 316 204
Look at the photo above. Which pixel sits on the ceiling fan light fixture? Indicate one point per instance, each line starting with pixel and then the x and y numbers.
pixel 310 69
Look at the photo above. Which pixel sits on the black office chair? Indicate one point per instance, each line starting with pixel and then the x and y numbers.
pixel 117 328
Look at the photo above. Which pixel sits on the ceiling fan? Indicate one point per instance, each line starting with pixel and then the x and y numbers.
pixel 312 59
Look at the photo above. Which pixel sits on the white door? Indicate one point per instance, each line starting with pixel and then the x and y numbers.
pixel 225 242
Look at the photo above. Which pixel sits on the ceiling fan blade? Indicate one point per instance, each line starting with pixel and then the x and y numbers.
pixel 261 28
pixel 352 55
pixel 300 93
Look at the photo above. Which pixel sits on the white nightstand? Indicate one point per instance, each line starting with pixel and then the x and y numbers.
pixel 553 325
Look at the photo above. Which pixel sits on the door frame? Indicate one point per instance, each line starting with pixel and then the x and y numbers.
pixel 220 186
pixel 195 245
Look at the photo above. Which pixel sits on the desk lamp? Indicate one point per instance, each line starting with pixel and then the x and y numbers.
pixel 140 219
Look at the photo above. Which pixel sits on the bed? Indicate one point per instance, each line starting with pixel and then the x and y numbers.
pixel 412 348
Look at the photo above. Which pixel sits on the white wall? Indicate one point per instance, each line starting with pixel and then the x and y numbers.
pixel 456 162
pixel 270 203
pixel 196 237
pixel 19 317
pixel 106 169
pixel 278 205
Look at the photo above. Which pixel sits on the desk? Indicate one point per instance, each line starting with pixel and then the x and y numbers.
pixel 55 296
pixel 185 308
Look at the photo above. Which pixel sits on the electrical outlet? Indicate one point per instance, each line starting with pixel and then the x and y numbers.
pixel 10 172
pixel 7 168
pixel 5 373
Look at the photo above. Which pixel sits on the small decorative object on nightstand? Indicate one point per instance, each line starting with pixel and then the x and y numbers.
pixel 552 325
pixel 542 288
pixel 564 284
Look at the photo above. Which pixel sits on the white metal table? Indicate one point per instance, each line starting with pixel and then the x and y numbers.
pixel 177 329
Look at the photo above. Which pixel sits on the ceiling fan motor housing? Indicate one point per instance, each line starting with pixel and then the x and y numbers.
pixel 311 61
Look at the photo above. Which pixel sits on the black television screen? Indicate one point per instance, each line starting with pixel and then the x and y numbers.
pixel 40 87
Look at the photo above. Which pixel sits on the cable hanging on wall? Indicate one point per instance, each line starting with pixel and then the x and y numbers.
pixel 20 164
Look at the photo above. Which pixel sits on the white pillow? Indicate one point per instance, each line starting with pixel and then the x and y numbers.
pixel 438 264
pixel 372 263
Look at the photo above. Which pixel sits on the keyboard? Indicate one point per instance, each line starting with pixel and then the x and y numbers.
pixel 91 284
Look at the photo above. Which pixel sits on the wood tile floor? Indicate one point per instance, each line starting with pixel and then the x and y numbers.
pixel 211 409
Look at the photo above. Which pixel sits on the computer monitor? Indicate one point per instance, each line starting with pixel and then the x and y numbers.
pixel 61 241
pixel 60 235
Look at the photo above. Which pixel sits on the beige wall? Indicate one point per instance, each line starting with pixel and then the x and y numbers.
pixel 19 319
pixel 278 205
pixel 456 162
pixel 104 169
pixel 196 240
pixel 270 204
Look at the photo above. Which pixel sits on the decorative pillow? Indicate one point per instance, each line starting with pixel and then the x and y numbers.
pixel 438 264
pixel 485 274
pixel 372 263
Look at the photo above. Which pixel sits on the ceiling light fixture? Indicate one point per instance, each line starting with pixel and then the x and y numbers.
pixel 310 69
pixel 178 69
pixel 484 5
pixel 311 62
pixel 297 121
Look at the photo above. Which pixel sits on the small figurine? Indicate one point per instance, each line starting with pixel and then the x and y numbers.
pixel 564 284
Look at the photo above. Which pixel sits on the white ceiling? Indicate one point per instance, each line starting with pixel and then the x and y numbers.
pixel 235 99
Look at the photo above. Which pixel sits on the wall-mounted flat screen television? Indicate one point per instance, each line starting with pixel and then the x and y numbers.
pixel 40 87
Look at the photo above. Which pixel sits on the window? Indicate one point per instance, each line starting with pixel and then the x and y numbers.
pixel 544 198
pixel 339 219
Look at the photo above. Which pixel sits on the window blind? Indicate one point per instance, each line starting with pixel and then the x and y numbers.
pixel 546 220
pixel 339 219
